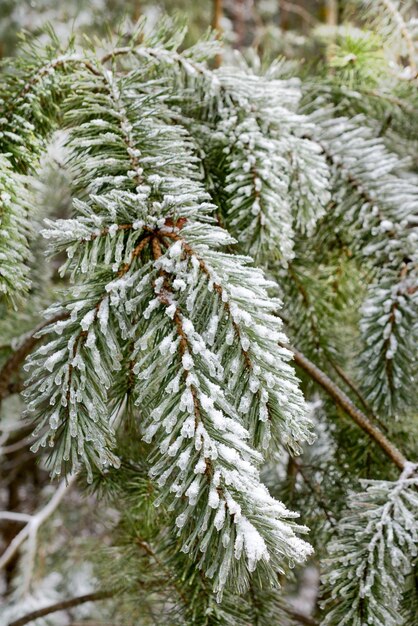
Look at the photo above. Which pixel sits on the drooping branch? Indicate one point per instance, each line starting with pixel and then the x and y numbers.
pixel 342 400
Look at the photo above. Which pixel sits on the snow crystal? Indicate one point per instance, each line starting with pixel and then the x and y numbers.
pixel 176 249
pixel 193 491
pixel 213 498
pixel 54 359
pixel 219 520
pixel 253 543
pixel 187 361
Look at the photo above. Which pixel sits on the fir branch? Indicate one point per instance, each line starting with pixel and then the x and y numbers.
pixel 369 205
pixel 180 303
pixel 390 335
pixel 194 411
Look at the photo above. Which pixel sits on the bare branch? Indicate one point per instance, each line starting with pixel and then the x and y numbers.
pixel 30 530
pixel 291 7
pixel 104 595
pixel 61 606
pixel 347 405
pixel 15 516
pixel 299 617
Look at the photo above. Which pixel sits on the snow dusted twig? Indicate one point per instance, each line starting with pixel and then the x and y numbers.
pixel 347 405
pixel 14 516
pixel 30 530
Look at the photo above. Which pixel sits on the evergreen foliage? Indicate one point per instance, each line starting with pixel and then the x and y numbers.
pixel 375 541
pixel 222 220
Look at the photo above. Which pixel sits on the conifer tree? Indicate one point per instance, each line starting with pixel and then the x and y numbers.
pixel 216 228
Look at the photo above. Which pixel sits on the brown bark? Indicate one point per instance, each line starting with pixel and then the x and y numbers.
pixel 343 401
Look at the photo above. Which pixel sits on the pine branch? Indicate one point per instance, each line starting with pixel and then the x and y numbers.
pixel 272 179
pixel 374 223
pixel 15 230
pixel 393 10
pixel 162 328
pixel 157 305
pixel 350 409
pixel 370 557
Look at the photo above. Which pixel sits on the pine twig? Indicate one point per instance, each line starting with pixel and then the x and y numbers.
pixel 351 385
pixel 217 15
pixel 216 25
pixel 347 405
pixel 290 7
pixel 61 606
pixel 299 617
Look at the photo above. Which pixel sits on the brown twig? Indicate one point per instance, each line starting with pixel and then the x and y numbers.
pixel 216 25
pixel 300 617
pixel 331 12
pixel 341 373
pixel 290 7
pixel 61 606
pixel 342 400
pixel 217 15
